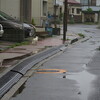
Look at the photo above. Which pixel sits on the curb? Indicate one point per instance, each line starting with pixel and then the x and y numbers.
pixel 74 40
pixel 14 75
pixel 28 54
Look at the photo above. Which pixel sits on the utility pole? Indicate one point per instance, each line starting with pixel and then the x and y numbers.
pixel 88 4
pixel 55 15
pixel 99 20
pixel 65 20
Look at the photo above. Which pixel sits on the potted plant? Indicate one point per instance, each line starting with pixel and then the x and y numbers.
pixel 56 29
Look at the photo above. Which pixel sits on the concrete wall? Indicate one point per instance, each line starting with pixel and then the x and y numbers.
pixel 51 6
pixel 11 7
pixel 37 11
pixel 96 17
pixel 83 18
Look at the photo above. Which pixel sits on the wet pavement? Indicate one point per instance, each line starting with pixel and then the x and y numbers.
pixel 81 81
pixel 10 56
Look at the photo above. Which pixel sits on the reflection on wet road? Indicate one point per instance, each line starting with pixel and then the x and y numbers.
pixel 84 80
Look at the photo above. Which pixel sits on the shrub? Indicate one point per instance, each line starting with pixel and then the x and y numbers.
pixel 33 22
pixel 81 35
pixel 89 10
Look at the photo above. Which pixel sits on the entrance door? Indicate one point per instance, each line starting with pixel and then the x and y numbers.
pixel 25 10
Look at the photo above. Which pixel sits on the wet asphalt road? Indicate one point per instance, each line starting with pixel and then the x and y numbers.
pixel 82 78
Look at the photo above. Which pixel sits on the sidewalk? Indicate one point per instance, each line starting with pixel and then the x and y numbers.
pixel 23 50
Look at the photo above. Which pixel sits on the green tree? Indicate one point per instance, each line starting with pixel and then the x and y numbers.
pixel 89 10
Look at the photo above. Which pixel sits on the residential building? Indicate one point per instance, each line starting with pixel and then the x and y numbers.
pixel 51 7
pixel 55 7
pixel 39 11
pixel 88 2
pixel 25 10
pixel 19 9
pixel 11 7
pixel 90 10
pixel 74 11
pixel 58 6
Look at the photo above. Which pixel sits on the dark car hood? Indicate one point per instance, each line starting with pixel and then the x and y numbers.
pixel 25 25
pixel 14 23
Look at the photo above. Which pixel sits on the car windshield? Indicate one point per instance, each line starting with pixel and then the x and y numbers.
pixel 5 16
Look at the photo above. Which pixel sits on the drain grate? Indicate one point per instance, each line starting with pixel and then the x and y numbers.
pixel 50 71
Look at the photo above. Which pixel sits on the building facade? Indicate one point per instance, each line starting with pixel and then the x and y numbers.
pixel 55 7
pixel 39 11
pixel 25 10
pixel 90 10
pixel 88 2
pixel 11 7
pixel 74 11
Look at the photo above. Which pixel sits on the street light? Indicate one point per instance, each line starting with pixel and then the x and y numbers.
pixel 65 18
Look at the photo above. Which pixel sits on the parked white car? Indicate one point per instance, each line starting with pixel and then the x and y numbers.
pixel 1 30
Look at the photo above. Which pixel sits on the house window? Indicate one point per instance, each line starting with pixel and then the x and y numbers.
pixel 60 10
pixel 44 8
pixel 78 11
pixel 73 10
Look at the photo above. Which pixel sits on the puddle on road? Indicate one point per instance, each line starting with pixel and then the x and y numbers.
pixel 84 80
